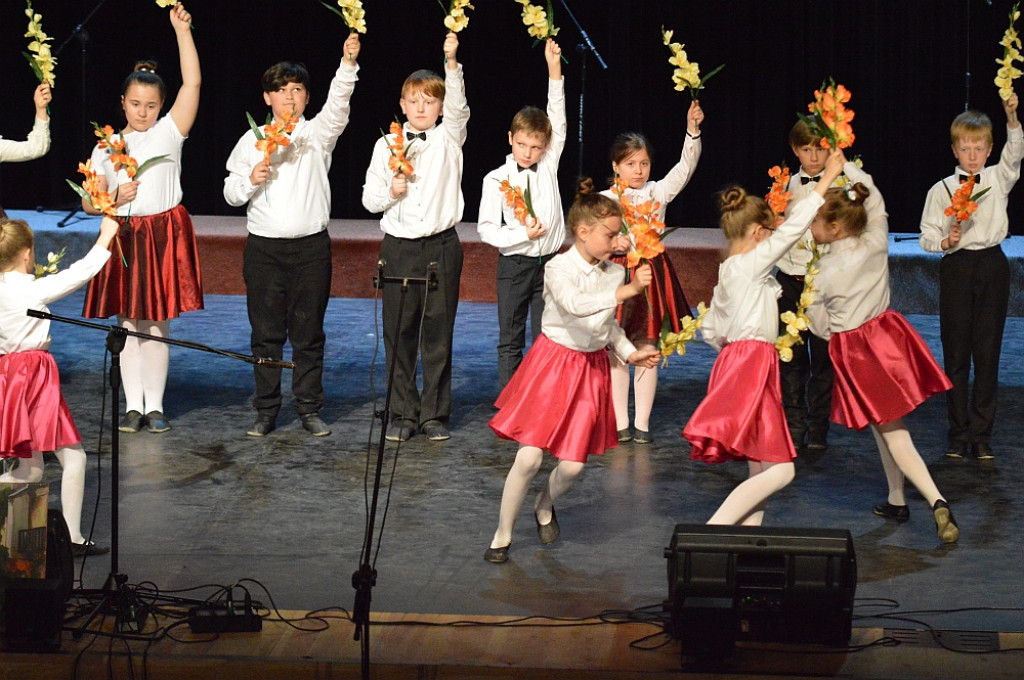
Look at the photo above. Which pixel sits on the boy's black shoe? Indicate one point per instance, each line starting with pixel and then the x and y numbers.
pixel 312 424
pixel 956 451
pixel 817 441
pixel 435 431
pixel 263 426
pixel 982 451
pixel 399 431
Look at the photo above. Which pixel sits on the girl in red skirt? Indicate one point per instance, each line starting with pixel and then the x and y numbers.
pixel 883 368
pixel 33 415
pixel 559 397
pixel 741 417
pixel 641 317
pixel 154 273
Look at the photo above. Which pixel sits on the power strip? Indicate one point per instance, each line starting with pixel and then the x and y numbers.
pixel 225 617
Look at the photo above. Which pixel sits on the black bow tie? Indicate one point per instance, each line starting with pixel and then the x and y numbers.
pixel 532 167
pixel 964 178
pixel 415 135
pixel 804 179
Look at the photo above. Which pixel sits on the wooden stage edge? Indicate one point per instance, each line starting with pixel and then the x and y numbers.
pixel 439 647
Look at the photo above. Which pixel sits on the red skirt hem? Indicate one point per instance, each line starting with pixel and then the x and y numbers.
pixel 153 272
pixel 33 413
pixel 883 371
pixel 559 399
pixel 741 417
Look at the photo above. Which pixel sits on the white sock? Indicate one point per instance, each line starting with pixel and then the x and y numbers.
pixel 893 476
pixel 620 391
pixel 764 480
pixel 560 480
pixel 131 369
pixel 72 488
pixel 156 357
pixel 517 484
pixel 901 447
pixel 645 382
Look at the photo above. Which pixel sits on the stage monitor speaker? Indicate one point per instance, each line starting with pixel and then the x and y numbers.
pixel 730 584
pixel 34 609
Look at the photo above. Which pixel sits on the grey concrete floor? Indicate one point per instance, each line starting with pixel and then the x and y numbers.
pixel 204 503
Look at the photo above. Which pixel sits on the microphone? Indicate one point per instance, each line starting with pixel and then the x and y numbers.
pixel 379 276
pixel 432 276
pixel 35 313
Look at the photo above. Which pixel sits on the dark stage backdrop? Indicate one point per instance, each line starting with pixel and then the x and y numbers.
pixel 905 62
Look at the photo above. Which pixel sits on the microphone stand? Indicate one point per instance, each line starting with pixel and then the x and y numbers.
pixel 130 612
pixel 83 38
pixel 583 48
pixel 365 577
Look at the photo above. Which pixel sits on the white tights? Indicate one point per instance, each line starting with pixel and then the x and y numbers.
pixel 144 365
pixel 900 460
pixel 517 485
pixel 72 483
pixel 645 383
pixel 745 505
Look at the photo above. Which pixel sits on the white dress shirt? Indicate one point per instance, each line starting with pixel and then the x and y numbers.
pixel 668 187
pixel 296 200
pixel 20 292
pixel 496 222
pixel 795 261
pixel 744 302
pixel 433 199
pixel 989 224
pixel 160 184
pixel 579 304
pixel 37 144
pixel 853 283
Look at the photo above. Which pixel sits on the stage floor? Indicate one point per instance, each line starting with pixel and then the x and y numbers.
pixel 205 504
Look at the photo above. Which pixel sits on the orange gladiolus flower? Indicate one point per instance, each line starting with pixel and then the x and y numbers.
pixel 963 204
pixel 398 163
pixel 515 199
pixel 777 197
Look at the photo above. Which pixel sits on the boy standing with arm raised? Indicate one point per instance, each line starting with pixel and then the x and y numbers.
pixel 287 258
pixel 420 212
pixel 974 275
pixel 526 242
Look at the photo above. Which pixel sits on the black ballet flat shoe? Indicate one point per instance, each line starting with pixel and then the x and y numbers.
pixel 132 422
pixel 898 513
pixel 945 525
pixel 625 436
pixel 643 437
pixel 88 549
pixel 497 555
pixel 548 533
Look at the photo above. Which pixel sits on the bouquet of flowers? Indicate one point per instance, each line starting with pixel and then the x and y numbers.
pixel 670 342
pixel 687 73
pixel 41 60
pixel 456 19
pixel 352 13
pixel 830 118
pixel 798 321
pixel 642 223
pixel 1007 72
pixel 517 199
pixel 274 134
pixel 963 203
pixel 52 261
pixel 777 196
pixel 90 192
pixel 399 162
pixel 539 22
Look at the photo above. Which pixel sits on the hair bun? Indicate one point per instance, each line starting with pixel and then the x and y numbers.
pixel 857 192
pixel 148 66
pixel 732 198
pixel 584 187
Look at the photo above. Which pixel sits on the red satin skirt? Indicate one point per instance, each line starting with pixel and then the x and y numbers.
pixel 33 414
pixel 162 277
pixel 741 417
pixel 559 399
pixel 883 370
pixel 642 321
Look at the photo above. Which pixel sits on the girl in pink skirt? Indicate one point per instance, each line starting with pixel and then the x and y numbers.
pixel 741 418
pixel 33 415
pixel 559 398
pixel 883 368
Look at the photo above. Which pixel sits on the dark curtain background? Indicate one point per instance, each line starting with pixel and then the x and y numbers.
pixel 905 62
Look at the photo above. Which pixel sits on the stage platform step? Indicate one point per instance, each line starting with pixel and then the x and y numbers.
pixel 355 244
pixel 417 646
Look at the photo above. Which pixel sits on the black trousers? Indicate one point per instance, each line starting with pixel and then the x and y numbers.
pixel 520 293
pixel 974 290
pixel 806 380
pixel 287 287
pixel 434 310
